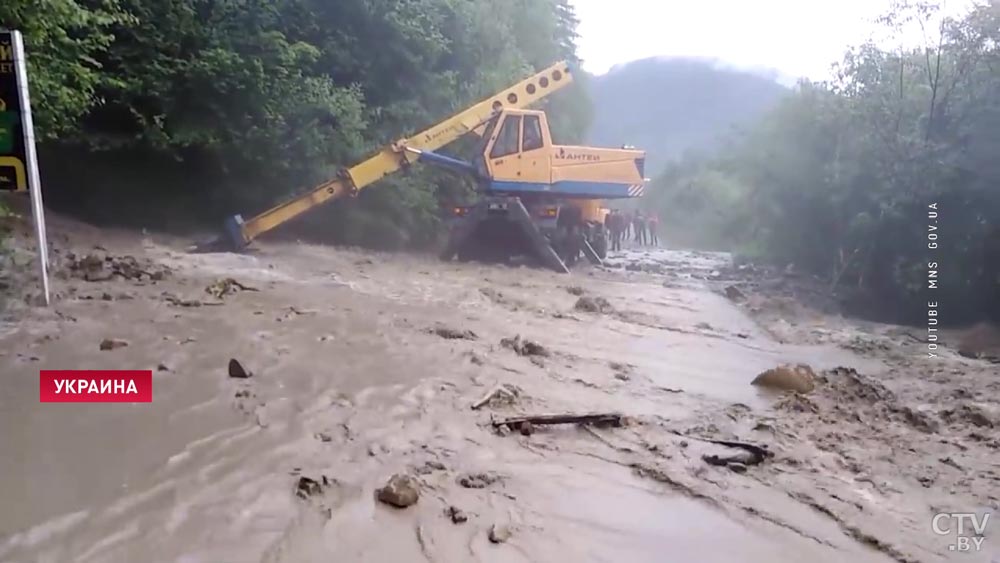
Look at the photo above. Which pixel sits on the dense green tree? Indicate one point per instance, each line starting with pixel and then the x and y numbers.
pixel 843 179
pixel 66 40
pixel 158 110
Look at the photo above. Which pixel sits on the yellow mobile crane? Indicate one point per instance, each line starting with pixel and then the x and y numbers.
pixel 516 164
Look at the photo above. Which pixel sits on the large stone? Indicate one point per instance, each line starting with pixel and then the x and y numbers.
pixel 800 379
pixel 401 491
pixel 499 533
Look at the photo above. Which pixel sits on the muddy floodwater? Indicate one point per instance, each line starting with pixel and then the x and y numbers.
pixel 367 365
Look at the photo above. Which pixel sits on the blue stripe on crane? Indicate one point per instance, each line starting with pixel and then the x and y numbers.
pixel 571 188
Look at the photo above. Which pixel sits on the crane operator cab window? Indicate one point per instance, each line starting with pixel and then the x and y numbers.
pixel 507 141
pixel 532 133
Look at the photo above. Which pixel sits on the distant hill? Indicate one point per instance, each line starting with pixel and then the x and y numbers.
pixel 669 105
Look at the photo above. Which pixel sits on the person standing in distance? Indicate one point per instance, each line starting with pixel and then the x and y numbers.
pixel 653 223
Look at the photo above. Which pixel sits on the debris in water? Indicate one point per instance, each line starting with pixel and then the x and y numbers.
pixel 478 480
pixel 162 367
pixel 600 419
pixel 737 467
pixel 181 302
pixel 449 333
pixel 799 378
pixel 456 515
pixel 307 487
pixel 524 347
pixel 226 286
pixel 981 341
pixel 920 420
pixel 237 370
pixel 429 467
pixel 113 344
pixel 795 402
pixel 970 413
pixel 751 455
pixel 622 371
pixel 734 293
pixel 94 268
pixel 593 305
pixel 501 395
pixel 435 465
pixel 401 491
pixel 499 534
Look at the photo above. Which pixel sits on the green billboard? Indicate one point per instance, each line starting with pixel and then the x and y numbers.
pixel 13 156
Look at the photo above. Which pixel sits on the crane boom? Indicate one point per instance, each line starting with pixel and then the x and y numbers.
pixel 395 155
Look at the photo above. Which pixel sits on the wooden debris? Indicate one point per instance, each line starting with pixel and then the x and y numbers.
pixel 757 454
pixel 449 333
pixel 524 347
pixel 599 419
pixel 226 286
pixel 501 394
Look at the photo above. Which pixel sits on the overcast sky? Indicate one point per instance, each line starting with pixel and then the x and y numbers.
pixel 794 37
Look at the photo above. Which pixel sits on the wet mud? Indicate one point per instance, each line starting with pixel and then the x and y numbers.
pixel 362 372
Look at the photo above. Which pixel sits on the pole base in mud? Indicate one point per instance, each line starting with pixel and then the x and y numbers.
pixel 231 239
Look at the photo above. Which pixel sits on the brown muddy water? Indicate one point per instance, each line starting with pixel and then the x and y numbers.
pixel 351 385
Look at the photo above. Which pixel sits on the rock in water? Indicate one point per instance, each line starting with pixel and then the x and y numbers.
pixel 499 534
pixel 800 379
pixel 112 344
pixel 401 491
pixel 237 370
pixel 734 293
pixel 457 515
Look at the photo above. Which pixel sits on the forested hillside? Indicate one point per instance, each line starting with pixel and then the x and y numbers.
pixel 669 106
pixel 872 180
pixel 161 113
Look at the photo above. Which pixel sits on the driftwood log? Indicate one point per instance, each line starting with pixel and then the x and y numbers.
pixel 599 419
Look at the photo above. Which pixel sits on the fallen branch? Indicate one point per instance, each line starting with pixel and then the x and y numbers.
pixel 757 453
pixel 609 419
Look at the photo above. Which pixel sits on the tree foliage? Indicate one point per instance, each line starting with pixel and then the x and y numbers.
pixel 160 109
pixel 841 179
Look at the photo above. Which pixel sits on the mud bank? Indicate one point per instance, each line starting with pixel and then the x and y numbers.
pixel 366 366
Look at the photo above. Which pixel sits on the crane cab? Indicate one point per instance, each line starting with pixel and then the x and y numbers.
pixel 518 158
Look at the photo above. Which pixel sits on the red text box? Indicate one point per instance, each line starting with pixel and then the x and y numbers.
pixel 95 386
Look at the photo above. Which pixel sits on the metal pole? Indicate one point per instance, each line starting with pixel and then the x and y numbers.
pixel 34 179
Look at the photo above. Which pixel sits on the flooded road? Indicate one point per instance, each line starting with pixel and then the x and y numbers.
pixel 351 384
